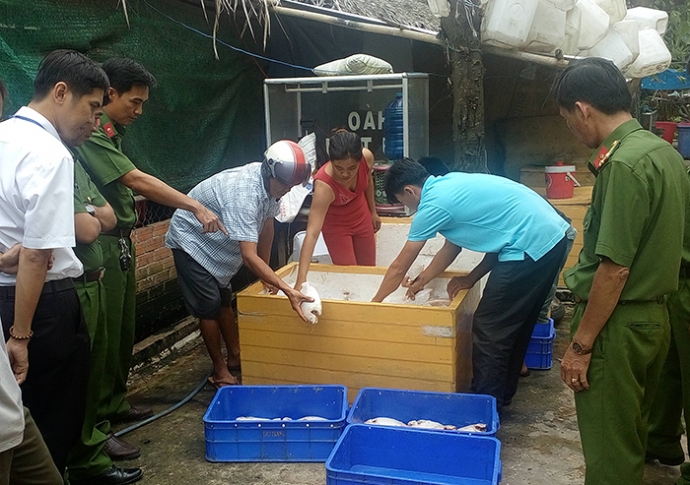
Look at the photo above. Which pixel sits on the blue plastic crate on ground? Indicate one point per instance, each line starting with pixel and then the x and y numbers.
pixel 443 407
pixel 375 455
pixel 231 440
pixel 540 350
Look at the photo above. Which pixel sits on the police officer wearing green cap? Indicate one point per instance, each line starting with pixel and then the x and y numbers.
pixel 633 239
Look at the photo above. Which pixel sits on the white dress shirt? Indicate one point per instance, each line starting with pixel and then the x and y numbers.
pixel 37 193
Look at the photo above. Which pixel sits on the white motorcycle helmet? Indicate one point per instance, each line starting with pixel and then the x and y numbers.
pixel 285 161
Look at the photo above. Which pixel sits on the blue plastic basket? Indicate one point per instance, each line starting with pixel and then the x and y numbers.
pixel 443 407
pixel 230 440
pixel 540 350
pixel 375 455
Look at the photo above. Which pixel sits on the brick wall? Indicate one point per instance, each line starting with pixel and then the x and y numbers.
pixel 154 261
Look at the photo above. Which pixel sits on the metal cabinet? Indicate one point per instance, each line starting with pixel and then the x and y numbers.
pixel 298 106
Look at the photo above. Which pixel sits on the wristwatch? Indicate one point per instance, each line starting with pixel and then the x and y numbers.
pixel 579 349
pixel 90 209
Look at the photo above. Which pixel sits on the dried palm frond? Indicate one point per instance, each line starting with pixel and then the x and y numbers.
pixel 124 8
pixel 254 10
pixel 407 13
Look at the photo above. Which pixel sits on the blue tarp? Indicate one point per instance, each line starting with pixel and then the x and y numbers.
pixel 669 80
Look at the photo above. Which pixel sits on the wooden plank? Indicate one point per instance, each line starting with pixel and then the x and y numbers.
pixel 351 391
pixel 441 353
pixel 310 361
pixel 261 373
pixel 350 311
pixel 387 332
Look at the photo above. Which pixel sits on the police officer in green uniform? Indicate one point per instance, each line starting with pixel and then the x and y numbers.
pixel 673 396
pixel 633 238
pixel 88 461
pixel 116 177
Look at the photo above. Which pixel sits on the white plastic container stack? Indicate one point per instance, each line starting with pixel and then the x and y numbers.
pixel 654 56
pixel 507 23
pixel 612 47
pixel 615 8
pixel 648 18
pixel 548 29
pixel 632 39
pixel 585 25
pixel 439 8
pixel 564 5
pixel 629 32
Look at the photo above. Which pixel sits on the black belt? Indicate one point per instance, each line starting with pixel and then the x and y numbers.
pixel 659 299
pixel 90 276
pixel 8 292
pixel 118 233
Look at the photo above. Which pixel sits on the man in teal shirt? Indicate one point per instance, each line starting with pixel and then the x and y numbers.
pixel 524 241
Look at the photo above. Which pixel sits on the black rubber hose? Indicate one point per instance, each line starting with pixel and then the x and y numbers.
pixel 153 418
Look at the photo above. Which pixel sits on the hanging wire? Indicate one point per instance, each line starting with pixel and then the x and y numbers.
pixel 237 49
pixel 243 51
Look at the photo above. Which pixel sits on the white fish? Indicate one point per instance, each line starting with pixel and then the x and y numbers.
pixel 312 418
pixel 479 428
pixel 251 418
pixel 311 309
pixel 439 302
pixel 425 423
pixel 383 421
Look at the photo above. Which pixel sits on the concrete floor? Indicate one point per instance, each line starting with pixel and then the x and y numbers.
pixel 540 441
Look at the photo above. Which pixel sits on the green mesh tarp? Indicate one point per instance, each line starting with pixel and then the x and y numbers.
pixel 205 115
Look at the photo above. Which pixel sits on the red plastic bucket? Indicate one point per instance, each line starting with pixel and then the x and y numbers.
pixel 560 181
pixel 669 128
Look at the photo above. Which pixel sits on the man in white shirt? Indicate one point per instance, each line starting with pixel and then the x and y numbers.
pixel 40 310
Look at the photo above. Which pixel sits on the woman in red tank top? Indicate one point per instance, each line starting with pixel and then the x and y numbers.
pixel 343 207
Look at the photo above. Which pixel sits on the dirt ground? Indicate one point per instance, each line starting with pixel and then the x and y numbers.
pixel 540 441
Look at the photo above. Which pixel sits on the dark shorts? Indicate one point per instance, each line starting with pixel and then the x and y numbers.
pixel 203 297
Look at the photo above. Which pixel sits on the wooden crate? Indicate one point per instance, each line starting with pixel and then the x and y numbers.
pixel 575 209
pixel 357 344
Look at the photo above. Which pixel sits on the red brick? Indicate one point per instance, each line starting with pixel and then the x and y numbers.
pixel 161 253
pixel 146 246
pixel 158 241
pixel 142 234
pixel 144 259
pixel 140 273
pixel 144 284
pixel 160 278
pixel 168 263
pixel 160 228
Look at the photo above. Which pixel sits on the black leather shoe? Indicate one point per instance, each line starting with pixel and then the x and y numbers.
pixel 112 476
pixel 665 460
pixel 135 413
pixel 118 449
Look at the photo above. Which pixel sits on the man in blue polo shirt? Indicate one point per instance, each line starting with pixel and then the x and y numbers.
pixel 524 241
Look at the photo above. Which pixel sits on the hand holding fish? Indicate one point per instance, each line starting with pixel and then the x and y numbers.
pixel 413 286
